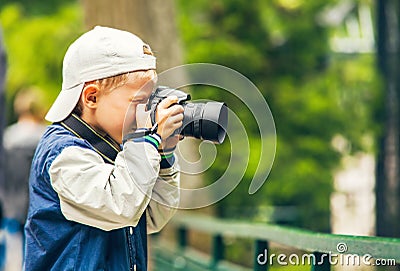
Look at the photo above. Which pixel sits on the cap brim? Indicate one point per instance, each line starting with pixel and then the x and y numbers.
pixel 64 104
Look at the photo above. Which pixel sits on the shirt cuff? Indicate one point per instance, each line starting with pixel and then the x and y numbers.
pixel 167 160
pixel 153 139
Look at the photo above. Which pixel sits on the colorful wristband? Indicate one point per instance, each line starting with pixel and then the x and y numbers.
pixel 167 161
pixel 153 139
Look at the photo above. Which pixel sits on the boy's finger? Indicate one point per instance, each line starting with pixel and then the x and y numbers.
pixel 167 102
pixel 176 109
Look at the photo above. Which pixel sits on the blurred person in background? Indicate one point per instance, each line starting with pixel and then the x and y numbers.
pixel 20 140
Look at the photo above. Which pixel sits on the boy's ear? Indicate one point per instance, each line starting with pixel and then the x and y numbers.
pixel 90 94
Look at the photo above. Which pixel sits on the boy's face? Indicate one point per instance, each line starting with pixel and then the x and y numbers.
pixel 118 106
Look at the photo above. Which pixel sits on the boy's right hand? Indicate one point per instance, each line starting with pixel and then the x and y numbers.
pixel 169 116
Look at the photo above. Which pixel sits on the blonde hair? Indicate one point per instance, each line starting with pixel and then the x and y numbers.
pixel 108 84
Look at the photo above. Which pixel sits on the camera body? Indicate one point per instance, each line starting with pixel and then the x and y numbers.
pixel 163 92
pixel 205 121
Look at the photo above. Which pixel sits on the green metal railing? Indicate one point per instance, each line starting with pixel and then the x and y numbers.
pixel 324 249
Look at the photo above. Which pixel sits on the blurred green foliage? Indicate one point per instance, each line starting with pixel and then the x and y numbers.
pixel 36 42
pixel 314 94
pixel 38 8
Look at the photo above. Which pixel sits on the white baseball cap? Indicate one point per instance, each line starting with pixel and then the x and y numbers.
pixel 99 53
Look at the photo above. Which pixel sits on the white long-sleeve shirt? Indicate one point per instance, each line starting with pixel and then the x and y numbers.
pixel 109 196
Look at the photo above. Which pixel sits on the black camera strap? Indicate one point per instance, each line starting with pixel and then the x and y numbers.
pixel 105 146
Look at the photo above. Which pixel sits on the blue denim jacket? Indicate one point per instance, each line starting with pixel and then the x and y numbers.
pixel 54 243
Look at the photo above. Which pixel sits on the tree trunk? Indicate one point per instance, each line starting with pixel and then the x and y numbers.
pixel 153 21
pixel 388 171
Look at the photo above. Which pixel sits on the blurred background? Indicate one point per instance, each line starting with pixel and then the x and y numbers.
pixel 328 70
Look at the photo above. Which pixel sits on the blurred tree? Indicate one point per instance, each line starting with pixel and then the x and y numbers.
pixel 37 7
pixel 388 168
pixel 313 95
pixel 36 44
pixel 153 21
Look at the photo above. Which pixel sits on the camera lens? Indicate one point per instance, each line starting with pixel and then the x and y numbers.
pixel 206 121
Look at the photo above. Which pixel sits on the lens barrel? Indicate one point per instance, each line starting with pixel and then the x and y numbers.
pixel 205 121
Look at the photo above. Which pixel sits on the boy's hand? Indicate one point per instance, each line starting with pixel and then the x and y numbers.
pixel 169 116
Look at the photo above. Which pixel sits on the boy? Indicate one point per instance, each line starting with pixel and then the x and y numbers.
pixel 92 203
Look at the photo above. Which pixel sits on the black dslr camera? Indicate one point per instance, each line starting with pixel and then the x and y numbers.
pixel 206 121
